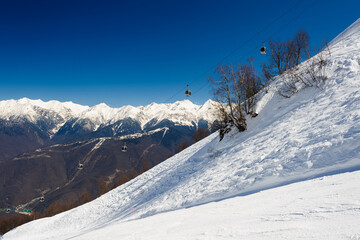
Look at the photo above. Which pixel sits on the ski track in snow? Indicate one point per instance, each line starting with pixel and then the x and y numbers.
pixel 314 133
pixel 323 208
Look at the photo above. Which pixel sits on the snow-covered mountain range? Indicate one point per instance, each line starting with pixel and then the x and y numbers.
pixel 58 113
pixel 28 124
pixel 251 185
pixel 28 129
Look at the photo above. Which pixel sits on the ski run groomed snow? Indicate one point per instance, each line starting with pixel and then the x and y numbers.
pixel 294 174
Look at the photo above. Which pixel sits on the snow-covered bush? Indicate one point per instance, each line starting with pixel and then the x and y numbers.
pixel 310 73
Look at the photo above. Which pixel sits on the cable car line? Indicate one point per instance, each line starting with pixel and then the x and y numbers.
pixel 236 49
pixel 272 35
pixel 188 92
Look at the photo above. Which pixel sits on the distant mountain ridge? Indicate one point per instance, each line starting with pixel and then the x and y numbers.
pixel 42 143
pixel 182 112
pixel 27 124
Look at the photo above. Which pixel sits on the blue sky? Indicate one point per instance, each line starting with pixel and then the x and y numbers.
pixel 139 52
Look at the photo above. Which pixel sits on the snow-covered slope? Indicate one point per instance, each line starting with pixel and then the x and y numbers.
pixel 322 208
pixel 314 133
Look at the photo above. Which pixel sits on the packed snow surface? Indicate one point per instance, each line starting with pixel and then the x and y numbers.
pixel 251 185
pixel 323 208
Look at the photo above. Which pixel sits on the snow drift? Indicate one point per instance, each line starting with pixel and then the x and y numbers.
pixel 314 133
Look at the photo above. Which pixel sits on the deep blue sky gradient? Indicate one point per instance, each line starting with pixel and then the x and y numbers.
pixel 143 51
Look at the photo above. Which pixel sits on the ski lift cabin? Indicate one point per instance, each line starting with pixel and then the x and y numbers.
pixel 187 92
pixel 80 166
pixel 263 50
pixel 124 148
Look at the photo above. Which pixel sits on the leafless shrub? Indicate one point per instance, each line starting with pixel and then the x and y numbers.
pixel 317 70
pixel 312 73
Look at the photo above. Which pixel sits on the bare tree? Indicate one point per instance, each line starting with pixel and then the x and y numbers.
pixel 301 47
pixel 235 88
pixel 251 84
pixel 286 55
pixel 276 64
pixel 199 134
pixel 121 180
pixel 102 186
pixel 183 145
pixel 228 92
pixel 84 198
pixel 145 165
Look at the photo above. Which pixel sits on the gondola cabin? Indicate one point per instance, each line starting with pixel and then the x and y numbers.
pixel 80 166
pixel 187 92
pixel 263 50
pixel 124 148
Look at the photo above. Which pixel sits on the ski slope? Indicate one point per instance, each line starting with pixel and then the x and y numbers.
pixel 266 182
pixel 323 208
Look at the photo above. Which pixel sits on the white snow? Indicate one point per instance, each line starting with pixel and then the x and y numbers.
pixel 251 185
pixel 323 208
pixel 27 107
pixel 181 112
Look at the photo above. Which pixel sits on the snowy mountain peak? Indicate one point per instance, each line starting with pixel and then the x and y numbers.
pixel 25 100
pixel 184 102
pixel 33 110
pixel 101 106
pixel 182 112
pixel 209 104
